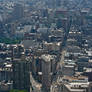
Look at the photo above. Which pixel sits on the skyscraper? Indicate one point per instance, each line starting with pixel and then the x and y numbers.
pixel 21 74
pixel 46 72
pixel 48 67
pixel 18 12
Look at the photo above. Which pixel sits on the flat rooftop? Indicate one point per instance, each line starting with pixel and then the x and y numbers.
pixel 47 57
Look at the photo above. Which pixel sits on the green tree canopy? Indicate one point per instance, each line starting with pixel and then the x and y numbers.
pixel 15 90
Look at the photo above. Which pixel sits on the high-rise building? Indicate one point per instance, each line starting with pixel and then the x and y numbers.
pixel 21 74
pixel 18 12
pixel 47 71
pixel 18 51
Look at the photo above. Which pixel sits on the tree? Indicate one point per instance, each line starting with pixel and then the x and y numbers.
pixel 15 90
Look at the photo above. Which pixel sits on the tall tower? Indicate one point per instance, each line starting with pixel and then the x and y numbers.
pixel 21 74
pixel 46 72
pixel 18 12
